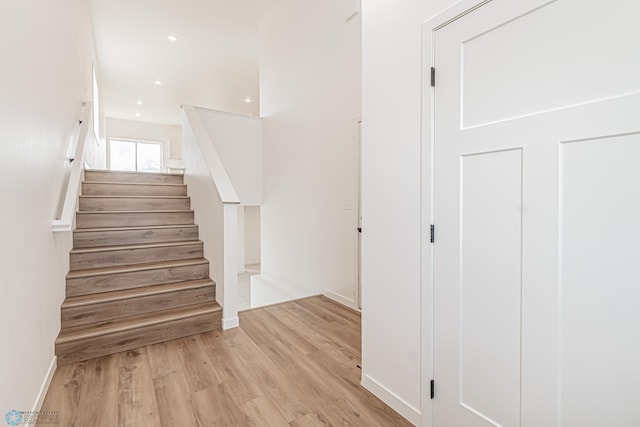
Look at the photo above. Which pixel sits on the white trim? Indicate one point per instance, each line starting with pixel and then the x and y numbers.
pixel 396 403
pixel 58 226
pixel 67 215
pixel 45 387
pixel 129 139
pixel 217 170
pixel 351 303
pixel 226 113
pixel 230 323
pixel 427 193
pixel 95 99
pixel 136 141
pixel 357 122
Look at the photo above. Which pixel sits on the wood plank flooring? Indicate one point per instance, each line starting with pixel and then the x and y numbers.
pixel 292 364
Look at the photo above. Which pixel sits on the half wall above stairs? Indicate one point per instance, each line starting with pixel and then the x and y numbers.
pixel 222 154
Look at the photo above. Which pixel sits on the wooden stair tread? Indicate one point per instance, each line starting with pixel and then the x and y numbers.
pixel 137 212
pixel 154 184
pixel 74 274
pixel 132 172
pixel 132 228
pixel 137 272
pixel 134 322
pixel 119 196
pixel 134 246
pixel 91 299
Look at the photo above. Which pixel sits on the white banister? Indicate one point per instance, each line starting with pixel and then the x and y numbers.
pixel 65 222
pixel 216 168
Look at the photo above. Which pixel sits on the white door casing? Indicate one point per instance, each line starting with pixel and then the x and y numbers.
pixel 536 272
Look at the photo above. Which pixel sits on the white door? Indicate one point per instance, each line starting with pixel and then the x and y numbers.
pixel 537 213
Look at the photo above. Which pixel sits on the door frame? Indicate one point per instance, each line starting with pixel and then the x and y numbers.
pixel 427 148
pixel 358 141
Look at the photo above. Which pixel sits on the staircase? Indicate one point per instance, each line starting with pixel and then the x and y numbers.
pixel 137 274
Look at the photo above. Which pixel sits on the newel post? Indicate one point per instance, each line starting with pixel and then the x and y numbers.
pixel 230 292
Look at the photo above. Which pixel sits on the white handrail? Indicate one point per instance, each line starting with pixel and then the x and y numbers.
pixel 218 173
pixel 65 222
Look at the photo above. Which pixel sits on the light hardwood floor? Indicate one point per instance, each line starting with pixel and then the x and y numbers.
pixel 293 364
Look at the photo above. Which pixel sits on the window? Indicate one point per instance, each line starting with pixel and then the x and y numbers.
pixel 135 156
pixel 96 107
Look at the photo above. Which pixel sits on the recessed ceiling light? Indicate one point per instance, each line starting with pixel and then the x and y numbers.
pixel 139 102
pixel 137 114
pixel 158 82
pixel 247 100
pixel 172 37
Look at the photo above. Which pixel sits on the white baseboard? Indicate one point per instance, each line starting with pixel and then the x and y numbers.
pixel 44 388
pixel 351 303
pixel 396 403
pixel 233 322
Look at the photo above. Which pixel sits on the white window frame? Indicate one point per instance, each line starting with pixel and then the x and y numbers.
pixel 137 141
pixel 96 105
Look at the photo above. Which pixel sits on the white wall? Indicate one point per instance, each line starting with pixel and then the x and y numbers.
pixel 238 140
pixel 218 222
pixel 47 50
pixel 310 95
pixel 207 206
pixel 251 235
pixel 241 240
pixel 391 103
pixel 95 154
pixel 170 137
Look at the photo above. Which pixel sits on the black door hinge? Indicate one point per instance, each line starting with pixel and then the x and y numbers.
pixel 359 229
pixel 433 389
pixel 433 77
pixel 433 232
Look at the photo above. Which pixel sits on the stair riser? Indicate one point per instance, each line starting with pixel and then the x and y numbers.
pixel 132 204
pixel 131 177
pixel 97 189
pixel 78 316
pixel 92 239
pixel 132 219
pixel 135 279
pixel 81 261
pixel 121 341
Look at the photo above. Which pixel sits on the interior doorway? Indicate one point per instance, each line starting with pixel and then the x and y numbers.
pixel 249 252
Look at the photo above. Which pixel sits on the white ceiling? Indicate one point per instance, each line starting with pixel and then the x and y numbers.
pixel 213 64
